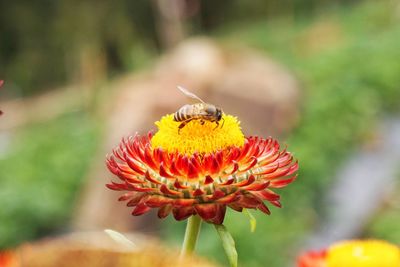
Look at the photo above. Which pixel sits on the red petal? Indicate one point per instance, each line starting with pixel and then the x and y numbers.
pixel 267 195
pixel 208 180
pixel 282 183
pixel 236 206
pixel 182 213
pixel 211 164
pixel 173 168
pixel 264 208
pixel 151 179
pixel 196 164
pixel 129 178
pixel 184 202
pixel 257 187
pixel 133 165
pixel 198 192
pixel 125 197
pixel 276 204
pixel 164 211
pixel 246 182
pixel 135 199
pixel 220 215
pixel 235 168
pixel 192 172
pixel 228 182
pixel 143 189
pixel 182 164
pixel 206 211
pixel 217 194
pixel 178 185
pixel 116 187
pixel 268 170
pixel 164 189
pixel 251 165
pixel 157 201
pixel 249 201
pixel 148 156
pixel 140 209
pixel 228 199
pixel 244 150
pixel 163 172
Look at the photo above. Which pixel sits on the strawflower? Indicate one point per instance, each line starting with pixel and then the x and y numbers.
pixel 199 171
pixel 356 253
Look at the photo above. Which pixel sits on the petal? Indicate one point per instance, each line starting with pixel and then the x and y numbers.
pixel 220 215
pixel 140 209
pixel 164 189
pixel 163 172
pixel 151 179
pixel 164 211
pixel 182 213
pixel 264 208
pixel 135 199
pixel 208 180
pixel 178 185
pixel 282 183
pixel 155 201
pixel 184 202
pixel 206 211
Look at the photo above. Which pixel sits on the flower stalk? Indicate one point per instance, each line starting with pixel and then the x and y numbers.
pixel 191 235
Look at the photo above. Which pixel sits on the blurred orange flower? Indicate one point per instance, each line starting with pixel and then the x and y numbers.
pixel 8 259
pixel 200 170
pixel 357 253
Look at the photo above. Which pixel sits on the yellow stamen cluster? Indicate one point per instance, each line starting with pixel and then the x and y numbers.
pixel 197 137
pixel 370 253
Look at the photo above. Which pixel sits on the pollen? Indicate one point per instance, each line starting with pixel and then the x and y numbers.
pixel 371 253
pixel 196 137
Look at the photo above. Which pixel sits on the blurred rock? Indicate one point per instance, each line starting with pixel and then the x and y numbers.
pixel 262 93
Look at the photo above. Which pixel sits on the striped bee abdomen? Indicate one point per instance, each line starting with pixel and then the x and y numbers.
pixel 184 113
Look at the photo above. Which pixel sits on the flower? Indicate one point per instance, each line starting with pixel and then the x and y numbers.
pixel 8 259
pixel 356 253
pixel 201 169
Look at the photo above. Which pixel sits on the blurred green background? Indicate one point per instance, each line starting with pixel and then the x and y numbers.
pixel 348 84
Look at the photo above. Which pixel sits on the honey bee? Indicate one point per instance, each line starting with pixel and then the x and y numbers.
pixel 199 111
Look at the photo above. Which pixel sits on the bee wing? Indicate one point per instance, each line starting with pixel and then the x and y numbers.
pixel 189 94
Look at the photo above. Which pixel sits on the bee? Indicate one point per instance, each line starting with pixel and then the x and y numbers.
pixel 199 111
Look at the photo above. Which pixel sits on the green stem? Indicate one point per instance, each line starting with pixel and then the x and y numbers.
pixel 191 235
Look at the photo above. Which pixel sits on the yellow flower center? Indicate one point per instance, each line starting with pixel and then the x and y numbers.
pixel 371 253
pixel 197 137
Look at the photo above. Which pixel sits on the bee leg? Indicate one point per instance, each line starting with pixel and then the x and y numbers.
pixel 182 125
pixel 202 122
pixel 217 124
pixel 223 122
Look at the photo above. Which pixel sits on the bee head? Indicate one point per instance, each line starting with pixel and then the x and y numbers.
pixel 219 114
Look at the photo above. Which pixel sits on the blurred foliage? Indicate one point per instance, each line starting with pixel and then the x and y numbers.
pixel 48 43
pixel 385 225
pixel 41 173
